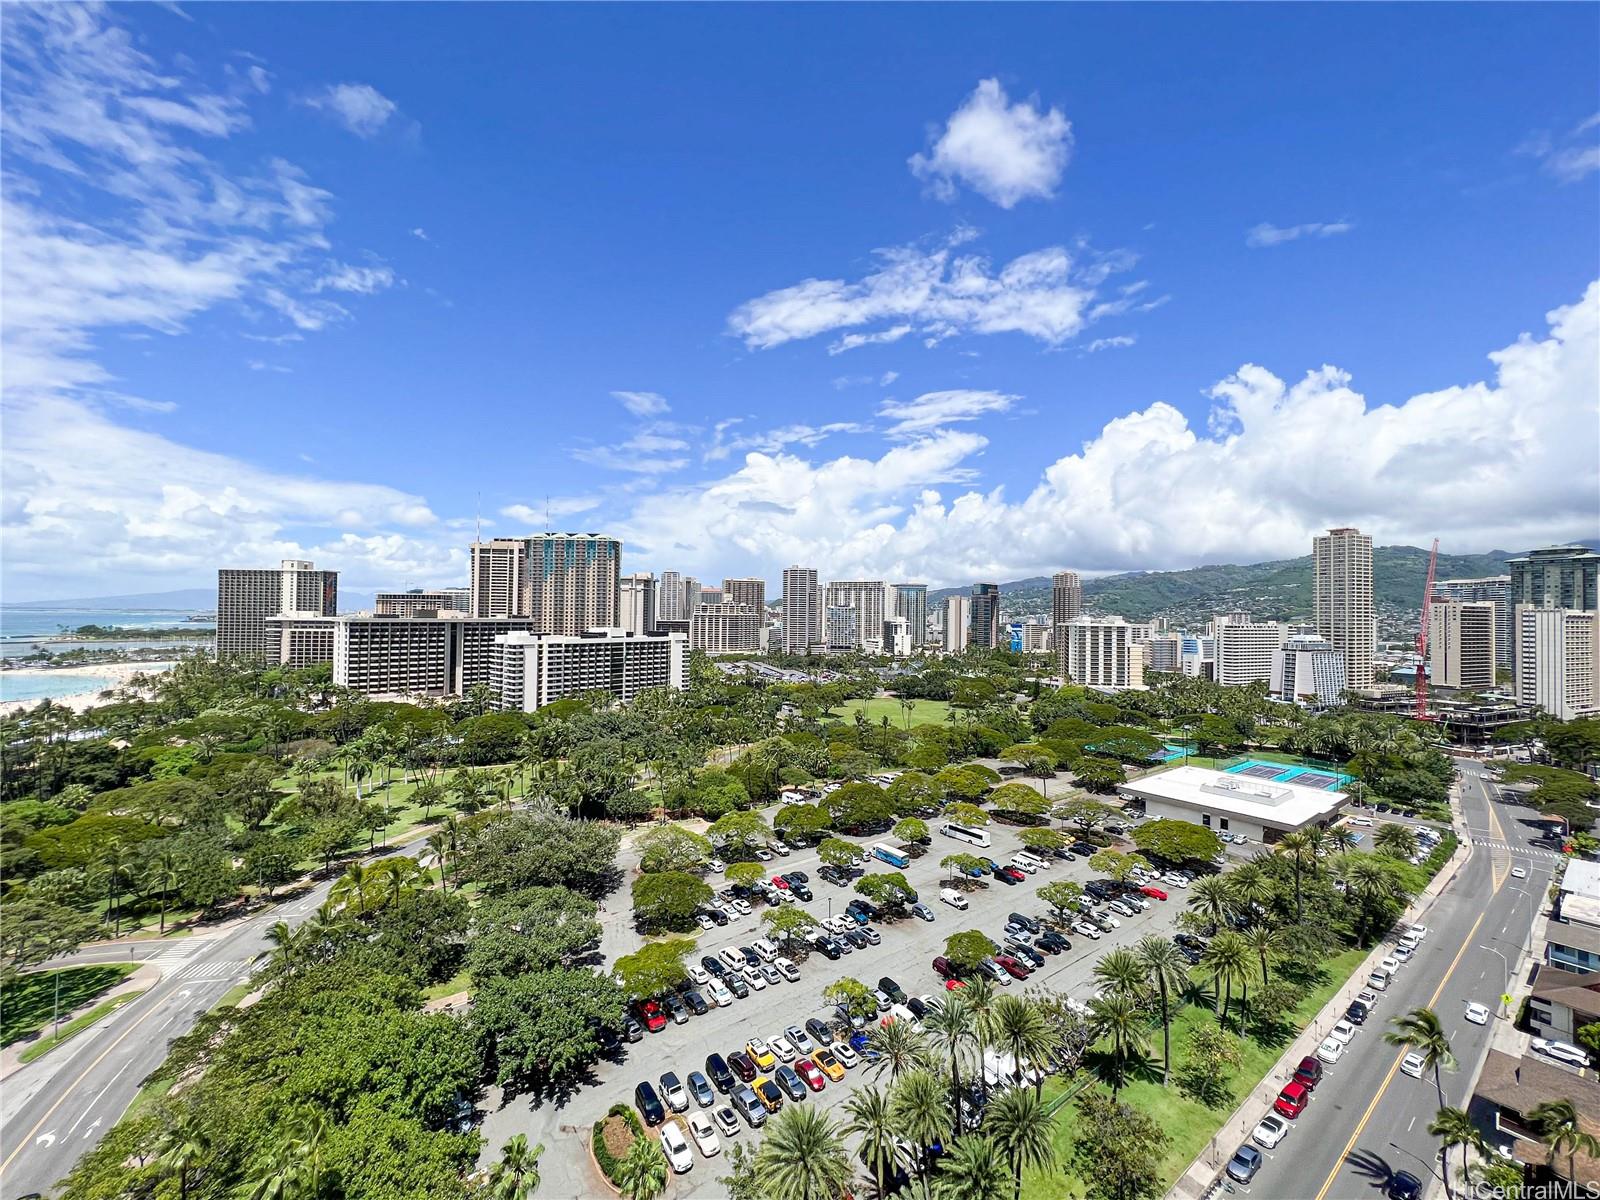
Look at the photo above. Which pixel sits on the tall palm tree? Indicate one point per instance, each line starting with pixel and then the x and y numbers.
pixel 1421 1030
pixel 869 1118
pixel 1167 970
pixel 1369 883
pixel 1395 840
pixel 901 1048
pixel 1341 840
pixel 286 942
pixel 1557 1122
pixel 1227 960
pixel 516 1175
pixel 642 1173
pixel 1117 1018
pixel 1023 1130
pixel 1297 847
pixel 183 1148
pixel 803 1156
pixel 1019 1028
pixel 952 1029
pixel 918 1109
pixel 353 888
pixel 979 996
pixel 1266 944
pixel 1121 972
pixel 1212 897
pixel 975 1169
pixel 163 875
pixel 439 845
pixel 1251 888
pixel 1453 1127
pixel 114 862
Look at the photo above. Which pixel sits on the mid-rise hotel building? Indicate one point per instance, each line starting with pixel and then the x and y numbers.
pixel 526 671
pixel 246 597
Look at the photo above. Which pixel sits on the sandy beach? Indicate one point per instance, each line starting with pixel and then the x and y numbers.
pixel 109 675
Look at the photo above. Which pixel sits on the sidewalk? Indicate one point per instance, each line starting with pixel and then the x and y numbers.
pixel 1202 1173
pixel 147 976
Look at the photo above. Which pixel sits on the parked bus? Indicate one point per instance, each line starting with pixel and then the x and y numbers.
pixel 890 855
pixel 964 833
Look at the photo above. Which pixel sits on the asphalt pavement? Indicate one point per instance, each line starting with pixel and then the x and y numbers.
pixel 1367 1120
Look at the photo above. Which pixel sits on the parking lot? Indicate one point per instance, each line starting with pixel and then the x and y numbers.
pixel 905 954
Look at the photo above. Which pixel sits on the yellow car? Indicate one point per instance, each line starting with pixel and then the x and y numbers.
pixel 762 1053
pixel 769 1095
pixel 828 1065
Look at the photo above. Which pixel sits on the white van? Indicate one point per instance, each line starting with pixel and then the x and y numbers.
pixel 765 949
pixel 952 897
pixel 1042 863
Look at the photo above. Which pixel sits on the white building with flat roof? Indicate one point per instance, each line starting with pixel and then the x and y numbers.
pixel 1245 649
pixel 1263 810
pixel 529 670
pixel 1308 670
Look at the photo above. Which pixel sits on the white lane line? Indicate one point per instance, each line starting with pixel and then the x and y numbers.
pixel 97 1099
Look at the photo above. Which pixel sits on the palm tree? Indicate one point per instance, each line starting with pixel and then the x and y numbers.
pixel 1226 959
pixel 1017 1027
pixel 1372 887
pixel 979 996
pixel 1299 848
pixel 1023 1130
pixel 952 1028
pixel 1167 969
pixel 803 1157
pixel 1395 840
pixel 516 1175
pixel 1557 1122
pixel 975 1169
pixel 182 1148
pixel 162 875
pixel 871 1120
pixel 1421 1030
pixel 642 1173
pixel 439 844
pixel 917 1107
pixel 1121 972
pixel 1266 944
pixel 276 1177
pixel 1453 1127
pixel 113 863
pixel 1341 840
pixel 352 887
pixel 1250 888
pixel 286 942
pixel 1212 897
pixel 1117 1018
pixel 900 1048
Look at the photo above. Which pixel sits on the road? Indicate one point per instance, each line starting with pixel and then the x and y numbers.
pixel 56 1109
pixel 1366 1120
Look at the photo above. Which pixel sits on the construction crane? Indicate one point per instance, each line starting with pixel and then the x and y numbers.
pixel 1421 711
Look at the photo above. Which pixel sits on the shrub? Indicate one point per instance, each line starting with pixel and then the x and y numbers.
pixel 603 1154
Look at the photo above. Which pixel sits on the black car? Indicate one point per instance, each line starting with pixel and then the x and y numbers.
pixel 736 984
pixel 750 957
pixel 1357 1013
pixel 865 907
pixel 800 891
pixel 826 948
pixel 1404 1186
pixel 855 938
pixel 649 1104
pixel 1004 876
pixel 1052 942
pixel 1189 940
pixel 834 875
pixel 717 916
pixel 790 1082
pixel 1084 848
pixel 819 1031
pixel 891 989
pixel 721 1076
pixel 917 1007
pixel 798 877
pixel 632 1030
pixel 696 1002
pixel 742 1065
pixel 1026 953
pixel 714 966
pixel 1031 924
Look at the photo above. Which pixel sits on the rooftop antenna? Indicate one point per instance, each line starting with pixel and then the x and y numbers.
pixel 547 512
pixel 477 505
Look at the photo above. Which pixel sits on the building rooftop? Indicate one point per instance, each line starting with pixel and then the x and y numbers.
pixel 1579 992
pixel 1582 878
pixel 1522 1084
pixel 1279 804
pixel 1571 935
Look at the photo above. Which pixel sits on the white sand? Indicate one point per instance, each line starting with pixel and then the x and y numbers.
pixel 115 674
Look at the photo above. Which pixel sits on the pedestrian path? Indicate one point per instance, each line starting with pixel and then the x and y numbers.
pixel 168 957
pixel 222 970
pixel 1530 851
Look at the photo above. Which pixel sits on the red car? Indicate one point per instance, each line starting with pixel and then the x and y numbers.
pixel 1309 1072
pixel 1012 967
pixel 809 1072
pixel 951 985
pixel 1291 1102
pixel 780 881
pixel 651 1016
pixel 1014 874
pixel 1154 893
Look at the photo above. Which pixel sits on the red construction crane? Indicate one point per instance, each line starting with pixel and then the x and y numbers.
pixel 1421 711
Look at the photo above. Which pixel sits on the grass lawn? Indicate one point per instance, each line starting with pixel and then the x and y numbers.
pixel 27 1004
pixel 1189 1125
pixel 460 982
pixel 72 1028
pixel 923 712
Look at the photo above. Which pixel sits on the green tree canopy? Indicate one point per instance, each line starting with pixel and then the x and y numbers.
pixel 654 968
pixel 669 899
pixel 1177 841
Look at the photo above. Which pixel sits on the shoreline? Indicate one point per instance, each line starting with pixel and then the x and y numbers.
pixel 113 675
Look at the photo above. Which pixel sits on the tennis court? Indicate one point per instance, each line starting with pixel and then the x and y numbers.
pixel 1311 777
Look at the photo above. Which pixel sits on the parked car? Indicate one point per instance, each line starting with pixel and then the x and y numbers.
pixel 650 1015
pixel 953 898
pixel 1309 1072
pixel 705 1135
pixel 921 911
pixel 801 1040
pixel 810 1075
pixel 787 969
pixel 995 971
pixel 720 995
pixel 1291 1102
pixel 1270 1130
pixel 1331 1050
pixel 649 1104
pixel 1563 1052
pixel 727 1121
pixel 1153 892
pixel 1052 942
pixel 1013 968
pixel 742 1065
pixel 676 1146
pixel 1357 1012
pixel 696 1002
pixel 632 1030
pixel 783 1048
pixel 1087 930
pixel 828 1063
pixel 676 1008
pixel 1342 1032
pixel 1244 1164
pixel 790 1082
pixel 721 1076
pixel 673 1092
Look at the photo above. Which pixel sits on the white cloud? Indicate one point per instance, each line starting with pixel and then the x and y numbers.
pixel 642 404
pixel 934 410
pixel 1111 343
pixel 359 107
pixel 1507 462
pixel 1568 157
pixel 421 235
pixel 774 440
pixel 364 281
pixel 1274 235
pixel 887 378
pixel 1005 152
pixel 1047 294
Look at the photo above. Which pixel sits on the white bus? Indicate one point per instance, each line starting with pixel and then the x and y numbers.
pixel 964 833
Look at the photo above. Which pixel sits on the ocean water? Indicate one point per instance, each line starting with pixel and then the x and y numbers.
pixel 21 628
pixel 52 685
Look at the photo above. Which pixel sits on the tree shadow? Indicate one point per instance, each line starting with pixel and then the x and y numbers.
pixel 1371 1166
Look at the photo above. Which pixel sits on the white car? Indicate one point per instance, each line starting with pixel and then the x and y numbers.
pixel 784 1049
pixel 1089 931
pixel 847 1057
pixel 1342 1032
pixel 698 976
pixel 765 949
pixel 788 970
pixel 720 995
pixel 1417 931
pixel 743 907
pixel 752 976
pixel 1368 997
pixel 1519 873
pixel 674 1093
pixel 727 1121
pixel 677 1148
pixel 1402 953
pixel 1412 1065
pixel 1175 879
pixel 1024 865
pixel 781 849
pixel 1478 1014
pixel 764 855
pixel 716 864
pixel 1120 908
pixel 1564 1052
pixel 1331 1050
pixel 1271 1130
pixel 1390 964
pixel 706 922
pixel 705 1135
pixel 1363 822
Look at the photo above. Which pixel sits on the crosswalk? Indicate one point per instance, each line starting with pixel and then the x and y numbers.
pixel 1530 851
pixel 170 956
pixel 221 970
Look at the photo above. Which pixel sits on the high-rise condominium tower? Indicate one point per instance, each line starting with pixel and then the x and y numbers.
pixel 669 598
pixel 247 597
pixel 985 616
pixel 802 610
pixel 870 599
pixel 911 602
pixel 957 623
pixel 1343 600
pixel 1563 576
pixel 1066 597
pixel 497 573
pixel 565 582
pixel 745 591
pixel 1496 590
pixel 636 603
pixel 1461 638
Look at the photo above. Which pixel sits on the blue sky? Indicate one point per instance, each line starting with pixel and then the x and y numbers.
pixel 938 292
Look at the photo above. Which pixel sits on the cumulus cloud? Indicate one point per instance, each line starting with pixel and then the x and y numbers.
pixel 1275 235
pixel 1504 462
pixel 554 507
pixel 642 404
pixel 935 410
pixel 1049 294
pixel 1003 151
pixel 359 107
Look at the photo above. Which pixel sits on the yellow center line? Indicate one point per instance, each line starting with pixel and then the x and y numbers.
pixel 1496 881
